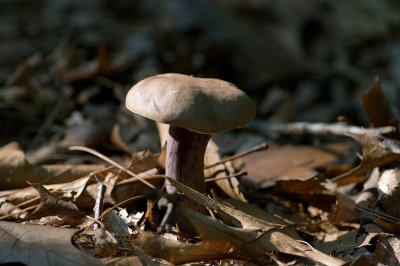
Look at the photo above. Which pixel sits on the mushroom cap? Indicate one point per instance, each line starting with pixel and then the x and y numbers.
pixel 203 105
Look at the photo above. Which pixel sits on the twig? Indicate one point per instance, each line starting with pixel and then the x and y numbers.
pixel 115 206
pixel 167 215
pixel 225 177
pixel 105 158
pixel 260 147
pixel 98 207
pixel 302 128
pixel 96 222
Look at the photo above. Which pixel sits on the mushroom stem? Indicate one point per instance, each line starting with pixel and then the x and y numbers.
pixel 185 158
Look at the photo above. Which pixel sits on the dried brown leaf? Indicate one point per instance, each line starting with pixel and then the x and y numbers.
pixel 253 244
pixel 387 249
pixel 230 185
pixel 348 243
pixel 309 190
pixel 376 152
pixel 174 251
pixel 389 192
pixel 265 235
pixel 50 205
pixel 290 162
pixel 378 109
pixel 40 245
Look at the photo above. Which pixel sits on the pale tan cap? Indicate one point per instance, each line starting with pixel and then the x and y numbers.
pixel 202 105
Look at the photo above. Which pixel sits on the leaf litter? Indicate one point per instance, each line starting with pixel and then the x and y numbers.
pixel 237 229
pixel 294 203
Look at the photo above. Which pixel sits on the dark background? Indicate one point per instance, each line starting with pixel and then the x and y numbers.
pixel 70 63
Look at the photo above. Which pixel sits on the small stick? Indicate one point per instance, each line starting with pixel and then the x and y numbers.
pixel 302 128
pixel 167 215
pixel 260 147
pixel 105 158
pixel 115 206
pixel 98 207
pixel 225 177
pixel 96 222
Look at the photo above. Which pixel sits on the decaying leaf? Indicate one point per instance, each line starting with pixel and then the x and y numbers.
pixel 246 221
pixel 229 185
pixel 389 192
pixel 387 249
pixel 310 191
pixel 378 109
pixel 265 235
pixel 50 205
pixel 376 152
pixel 290 162
pixel 115 224
pixel 40 245
pixel 222 241
pixel 174 251
pixel 350 244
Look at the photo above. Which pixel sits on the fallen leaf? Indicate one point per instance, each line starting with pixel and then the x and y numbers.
pixel 267 235
pixel 389 192
pixel 346 245
pixel 376 152
pixel 40 245
pixel 174 251
pixel 387 249
pixel 72 191
pixel 288 162
pixel 229 186
pixel 50 205
pixel 310 191
pixel 253 244
pixel 378 109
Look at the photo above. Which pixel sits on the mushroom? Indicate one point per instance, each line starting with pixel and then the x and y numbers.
pixel 195 108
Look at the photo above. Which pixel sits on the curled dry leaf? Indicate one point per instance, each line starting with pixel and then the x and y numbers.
pixel 218 242
pixel 50 205
pixel 115 224
pixel 265 235
pixel 72 191
pixel 229 185
pixel 349 244
pixel 378 109
pixel 40 245
pixel 222 241
pixel 387 249
pixel 376 152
